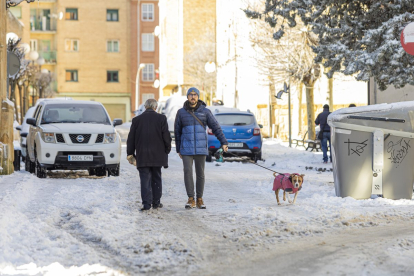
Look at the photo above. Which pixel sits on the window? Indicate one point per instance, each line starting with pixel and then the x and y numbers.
pixel 147 42
pixel 112 46
pixel 72 75
pixel 71 14
pixel 148 72
pixel 71 45
pixel 16 11
pixel 33 44
pixel 111 15
pixel 147 12
pixel 112 76
pixel 147 96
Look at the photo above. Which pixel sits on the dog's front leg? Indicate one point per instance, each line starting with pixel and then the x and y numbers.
pixel 277 196
pixel 296 194
pixel 284 195
pixel 290 201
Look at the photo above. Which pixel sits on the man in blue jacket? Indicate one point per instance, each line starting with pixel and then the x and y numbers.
pixel 191 143
pixel 324 132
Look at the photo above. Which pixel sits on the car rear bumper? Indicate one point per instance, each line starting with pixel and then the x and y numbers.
pixel 253 145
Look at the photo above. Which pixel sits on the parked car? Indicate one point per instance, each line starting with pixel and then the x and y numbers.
pixel 140 110
pixel 171 107
pixel 123 131
pixel 74 135
pixel 161 104
pixel 24 130
pixel 241 131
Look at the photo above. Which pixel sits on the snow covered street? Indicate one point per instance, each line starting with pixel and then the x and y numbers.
pixel 73 224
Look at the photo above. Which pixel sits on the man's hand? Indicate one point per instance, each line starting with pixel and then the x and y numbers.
pixel 225 148
pixel 180 155
pixel 131 159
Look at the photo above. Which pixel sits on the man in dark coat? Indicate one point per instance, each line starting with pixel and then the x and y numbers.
pixel 191 143
pixel 325 136
pixel 148 144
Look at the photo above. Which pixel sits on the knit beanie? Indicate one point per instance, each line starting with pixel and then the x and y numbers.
pixel 193 89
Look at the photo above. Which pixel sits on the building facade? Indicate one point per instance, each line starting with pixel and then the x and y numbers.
pixel 145 51
pixel 86 45
pixel 187 42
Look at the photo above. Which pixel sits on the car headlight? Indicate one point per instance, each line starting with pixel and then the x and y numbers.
pixel 48 137
pixel 109 138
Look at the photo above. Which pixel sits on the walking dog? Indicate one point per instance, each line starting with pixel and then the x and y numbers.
pixel 289 183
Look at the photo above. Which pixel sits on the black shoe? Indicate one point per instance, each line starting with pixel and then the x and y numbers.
pixel 156 206
pixel 145 208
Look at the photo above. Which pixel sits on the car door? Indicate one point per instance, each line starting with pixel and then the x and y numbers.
pixel 32 133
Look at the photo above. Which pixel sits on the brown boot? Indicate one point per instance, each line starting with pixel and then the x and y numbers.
pixel 190 203
pixel 200 203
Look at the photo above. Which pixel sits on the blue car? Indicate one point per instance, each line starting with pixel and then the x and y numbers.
pixel 241 131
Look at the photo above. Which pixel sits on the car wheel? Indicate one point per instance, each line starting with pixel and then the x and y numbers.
pixel 27 164
pixel 16 161
pixel 209 157
pixel 40 172
pixel 100 171
pixel 114 171
pixel 92 172
pixel 257 157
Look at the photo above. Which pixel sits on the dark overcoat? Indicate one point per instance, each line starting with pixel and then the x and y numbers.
pixel 149 139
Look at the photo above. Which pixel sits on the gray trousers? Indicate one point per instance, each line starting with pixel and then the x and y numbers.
pixel 200 161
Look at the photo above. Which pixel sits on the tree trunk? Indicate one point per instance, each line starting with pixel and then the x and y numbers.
pixel 300 107
pixel 330 94
pixel 6 113
pixel 21 97
pixel 310 110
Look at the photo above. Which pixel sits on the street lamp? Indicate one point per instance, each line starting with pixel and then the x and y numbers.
pixel 286 89
pixel 141 66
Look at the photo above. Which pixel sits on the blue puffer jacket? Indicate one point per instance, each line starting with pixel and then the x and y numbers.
pixel 190 136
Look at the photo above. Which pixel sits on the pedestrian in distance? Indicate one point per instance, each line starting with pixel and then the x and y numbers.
pixel 148 146
pixel 191 143
pixel 324 132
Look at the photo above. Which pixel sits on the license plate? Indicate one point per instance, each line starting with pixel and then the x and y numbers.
pixel 80 157
pixel 236 145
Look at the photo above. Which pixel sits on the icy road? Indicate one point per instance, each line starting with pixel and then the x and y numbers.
pixel 73 224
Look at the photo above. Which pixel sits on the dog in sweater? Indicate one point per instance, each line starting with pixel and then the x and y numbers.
pixel 289 183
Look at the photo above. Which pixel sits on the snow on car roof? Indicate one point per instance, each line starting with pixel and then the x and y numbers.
pixel 70 102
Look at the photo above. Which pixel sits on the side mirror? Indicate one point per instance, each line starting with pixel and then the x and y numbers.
pixel 19 128
pixel 261 126
pixel 23 134
pixel 117 122
pixel 31 121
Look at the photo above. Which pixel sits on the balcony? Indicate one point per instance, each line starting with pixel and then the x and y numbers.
pixel 43 24
pixel 49 56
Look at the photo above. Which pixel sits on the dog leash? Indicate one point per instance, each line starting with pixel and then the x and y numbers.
pixel 252 162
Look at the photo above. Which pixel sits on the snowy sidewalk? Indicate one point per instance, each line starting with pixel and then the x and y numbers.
pixel 85 225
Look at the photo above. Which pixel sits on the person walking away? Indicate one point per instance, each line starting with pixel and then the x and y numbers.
pixel 191 143
pixel 324 132
pixel 148 144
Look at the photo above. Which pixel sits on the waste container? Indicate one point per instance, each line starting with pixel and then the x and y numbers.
pixel 373 150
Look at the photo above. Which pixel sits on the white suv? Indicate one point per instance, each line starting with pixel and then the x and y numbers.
pixel 73 135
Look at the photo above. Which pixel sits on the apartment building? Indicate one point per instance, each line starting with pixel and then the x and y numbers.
pixel 145 51
pixel 86 45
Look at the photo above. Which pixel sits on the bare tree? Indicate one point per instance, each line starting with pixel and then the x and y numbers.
pixel 195 60
pixel 290 57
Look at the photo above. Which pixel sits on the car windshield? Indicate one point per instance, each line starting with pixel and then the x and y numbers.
pixel 235 119
pixel 74 113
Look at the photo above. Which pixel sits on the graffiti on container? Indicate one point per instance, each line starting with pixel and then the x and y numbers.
pixel 356 147
pixel 398 150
